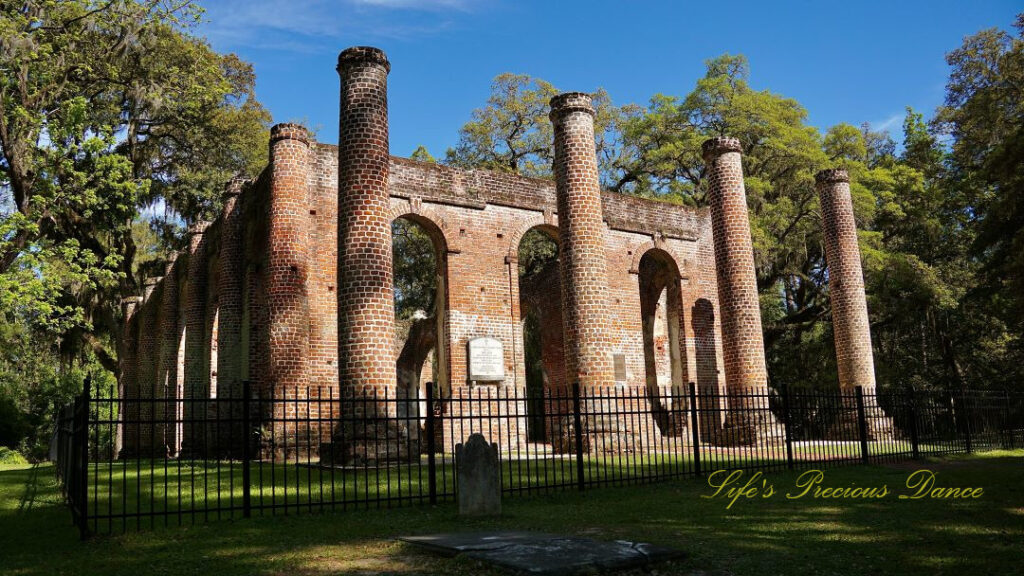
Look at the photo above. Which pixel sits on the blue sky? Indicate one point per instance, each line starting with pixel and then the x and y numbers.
pixel 844 61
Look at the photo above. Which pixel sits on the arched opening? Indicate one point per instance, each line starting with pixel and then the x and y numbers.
pixel 706 356
pixel 540 305
pixel 419 267
pixel 661 311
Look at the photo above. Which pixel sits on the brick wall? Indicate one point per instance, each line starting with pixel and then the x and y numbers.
pixel 273 295
pixel 480 218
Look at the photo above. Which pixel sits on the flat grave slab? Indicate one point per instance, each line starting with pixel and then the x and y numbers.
pixel 545 554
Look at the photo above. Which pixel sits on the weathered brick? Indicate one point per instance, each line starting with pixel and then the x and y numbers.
pixel 292 289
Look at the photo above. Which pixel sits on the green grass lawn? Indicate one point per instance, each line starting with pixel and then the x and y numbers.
pixel 756 536
pixel 132 494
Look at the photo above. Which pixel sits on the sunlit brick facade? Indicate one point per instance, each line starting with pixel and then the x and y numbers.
pixel 291 288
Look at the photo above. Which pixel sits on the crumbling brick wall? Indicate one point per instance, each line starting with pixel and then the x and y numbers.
pixel 261 284
pixel 481 217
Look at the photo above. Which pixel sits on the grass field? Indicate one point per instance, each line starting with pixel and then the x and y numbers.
pixel 758 536
pixel 133 494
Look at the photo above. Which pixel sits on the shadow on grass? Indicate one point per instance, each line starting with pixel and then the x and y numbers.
pixel 756 536
pixel 31 490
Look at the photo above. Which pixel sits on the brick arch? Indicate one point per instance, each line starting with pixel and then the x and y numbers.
pixel 432 220
pixel 445 241
pixel 657 243
pixel 547 221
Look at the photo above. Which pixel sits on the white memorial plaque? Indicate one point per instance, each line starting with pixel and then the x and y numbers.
pixel 486 360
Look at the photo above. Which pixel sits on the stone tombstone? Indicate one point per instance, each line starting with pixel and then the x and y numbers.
pixel 479 477
pixel 486 360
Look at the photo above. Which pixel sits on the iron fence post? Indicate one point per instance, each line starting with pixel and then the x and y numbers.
pixel 965 415
pixel 431 449
pixel 862 424
pixel 914 443
pixel 1007 430
pixel 694 431
pixel 83 447
pixel 578 429
pixel 247 437
pixel 786 426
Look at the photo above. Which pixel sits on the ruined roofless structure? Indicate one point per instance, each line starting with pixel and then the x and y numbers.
pixel 291 288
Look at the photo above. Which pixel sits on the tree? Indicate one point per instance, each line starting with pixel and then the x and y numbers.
pixel 984 116
pixel 513 133
pixel 415 269
pixel 423 155
pixel 106 108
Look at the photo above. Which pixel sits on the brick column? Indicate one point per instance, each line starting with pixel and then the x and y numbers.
pixel 366 314
pixel 147 359
pixel 167 411
pixel 850 325
pixel 588 354
pixel 742 339
pixel 197 347
pixel 231 275
pixel 845 282
pixel 288 271
pixel 128 380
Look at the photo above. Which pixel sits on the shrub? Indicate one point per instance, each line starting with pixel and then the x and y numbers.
pixel 9 456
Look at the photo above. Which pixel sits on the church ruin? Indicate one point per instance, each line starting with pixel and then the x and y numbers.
pixel 291 289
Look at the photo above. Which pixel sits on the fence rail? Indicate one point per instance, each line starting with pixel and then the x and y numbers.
pixel 134 463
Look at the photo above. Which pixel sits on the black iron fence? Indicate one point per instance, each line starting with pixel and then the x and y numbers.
pixel 133 463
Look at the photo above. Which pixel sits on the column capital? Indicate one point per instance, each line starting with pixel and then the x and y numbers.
pixel 198 228
pixel 149 285
pixel 363 55
pixel 233 187
pixel 712 148
pixel 289 131
pixel 567 102
pixel 832 176
pixel 169 264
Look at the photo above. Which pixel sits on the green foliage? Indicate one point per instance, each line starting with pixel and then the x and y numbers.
pixel 984 116
pixel 536 249
pixel 415 262
pixel 11 457
pixel 513 132
pixel 423 155
pixel 34 384
pixel 106 109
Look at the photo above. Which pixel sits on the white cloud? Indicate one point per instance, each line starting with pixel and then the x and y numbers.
pixel 316 25
pixel 888 124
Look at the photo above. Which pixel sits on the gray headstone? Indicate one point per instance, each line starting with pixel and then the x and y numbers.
pixel 479 477
pixel 542 554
